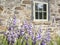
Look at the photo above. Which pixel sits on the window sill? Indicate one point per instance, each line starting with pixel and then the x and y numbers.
pixel 41 22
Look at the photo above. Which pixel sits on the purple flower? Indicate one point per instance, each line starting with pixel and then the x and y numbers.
pixel 26 37
pixel 40 30
pixel 43 43
pixel 9 38
pixel 26 29
pixel 34 41
pixel 27 26
pixel 22 32
pixel 30 27
pixel 14 20
pixel 9 28
pixel 15 35
pixel 29 32
pixel 38 36
pixel 47 38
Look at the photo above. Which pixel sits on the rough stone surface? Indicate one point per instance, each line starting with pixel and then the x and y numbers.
pixel 19 8
pixel 27 2
pixel 1 8
pixel 59 10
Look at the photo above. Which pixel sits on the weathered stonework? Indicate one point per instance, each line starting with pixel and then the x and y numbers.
pixel 27 2
pixel 19 8
pixel 1 8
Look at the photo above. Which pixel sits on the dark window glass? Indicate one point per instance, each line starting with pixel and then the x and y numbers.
pixel 40 9
pixel 44 7
pixel 36 15
pixel 40 15
pixel 44 15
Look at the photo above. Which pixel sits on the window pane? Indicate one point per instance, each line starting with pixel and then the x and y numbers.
pixel 36 15
pixel 44 15
pixel 36 6
pixel 40 15
pixel 44 7
pixel 40 7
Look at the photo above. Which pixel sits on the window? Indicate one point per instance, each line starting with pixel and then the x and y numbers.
pixel 40 11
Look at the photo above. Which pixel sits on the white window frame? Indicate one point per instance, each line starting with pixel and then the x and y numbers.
pixel 34 11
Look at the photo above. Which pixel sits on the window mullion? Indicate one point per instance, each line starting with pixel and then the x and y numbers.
pixel 42 13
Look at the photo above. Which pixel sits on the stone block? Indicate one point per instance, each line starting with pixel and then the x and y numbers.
pixel 1 28
pixel 59 10
pixel 53 14
pixel 16 12
pixel 23 5
pixel 27 2
pixel 58 4
pixel 57 19
pixel 19 8
pixel 1 8
pixel 47 23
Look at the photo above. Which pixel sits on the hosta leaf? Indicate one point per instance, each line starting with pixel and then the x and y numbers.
pixel 24 42
pixel 51 42
pixel 58 41
pixel 16 42
pixel 29 41
pixel 37 43
pixel 19 41
pixel 5 42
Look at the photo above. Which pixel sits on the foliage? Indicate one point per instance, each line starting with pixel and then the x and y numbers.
pixel 58 40
pixel 25 35
pixel 3 40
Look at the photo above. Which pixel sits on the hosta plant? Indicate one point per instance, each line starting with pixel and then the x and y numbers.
pixel 25 35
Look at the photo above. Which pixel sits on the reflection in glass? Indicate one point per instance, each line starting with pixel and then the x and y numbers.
pixel 36 6
pixel 40 7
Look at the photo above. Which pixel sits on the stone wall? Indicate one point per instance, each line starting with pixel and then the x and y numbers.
pixel 23 11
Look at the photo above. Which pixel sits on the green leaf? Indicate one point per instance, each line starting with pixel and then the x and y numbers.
pixel 58 41
pixel 5 42
pixel 24 43
pixel 29 41
pixel 1 39
pixel 51 42
pixel 37 43
pixel 15 42
pixel 19 41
